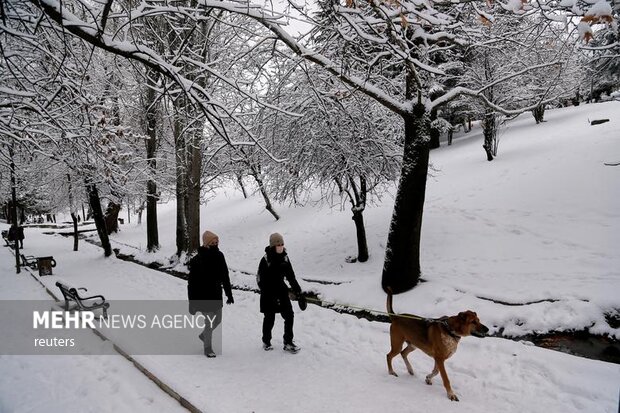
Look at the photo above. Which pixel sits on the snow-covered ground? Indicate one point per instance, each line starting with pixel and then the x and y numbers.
pixel 538 223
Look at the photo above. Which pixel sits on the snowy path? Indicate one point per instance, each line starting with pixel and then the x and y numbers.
pixel 340 368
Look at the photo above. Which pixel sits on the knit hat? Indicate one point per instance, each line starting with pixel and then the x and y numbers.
pixel 209 239
pixel 275 239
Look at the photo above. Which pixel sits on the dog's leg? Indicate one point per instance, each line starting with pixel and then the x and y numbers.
pixel 405 353
pixel 396 341
pixel 429 378
pixel 446 381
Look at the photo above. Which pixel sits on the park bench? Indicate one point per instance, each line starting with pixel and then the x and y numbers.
pixel 74 301
pixel 43 264
pixel 5 237
pixel 31 261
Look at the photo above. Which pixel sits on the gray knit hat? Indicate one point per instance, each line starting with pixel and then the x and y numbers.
pixel 276 239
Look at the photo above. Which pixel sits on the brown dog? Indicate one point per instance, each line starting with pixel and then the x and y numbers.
pixel 436 337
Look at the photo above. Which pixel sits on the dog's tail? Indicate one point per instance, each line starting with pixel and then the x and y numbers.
pixel 388 304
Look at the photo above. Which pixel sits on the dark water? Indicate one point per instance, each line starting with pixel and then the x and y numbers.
pixel 579 343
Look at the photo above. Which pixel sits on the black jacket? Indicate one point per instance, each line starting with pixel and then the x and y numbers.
pixel 272 271
pixel 208 272
pixel 15 233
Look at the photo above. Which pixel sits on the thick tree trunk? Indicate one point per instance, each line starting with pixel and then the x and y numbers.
pixel 152 230
pixel 401 268
pixel 95 205
pixel 362 243
pixel 111 217
pixel 488 150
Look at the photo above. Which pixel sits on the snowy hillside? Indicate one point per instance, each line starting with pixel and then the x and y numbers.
pixel 538 223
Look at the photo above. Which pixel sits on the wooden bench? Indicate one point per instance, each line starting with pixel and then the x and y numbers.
pixel 5 237
pixel 74 301
pixel 30 261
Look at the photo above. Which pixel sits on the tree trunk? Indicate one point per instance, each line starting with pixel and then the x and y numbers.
pixel 401 268
pixel 539 113
pixel 357 196
pixel 240 181
pixel 140 211
pixel 76 238
pixel 14 207
pixel 193 192
pixel 111 217
pixel 434 132
pixel 95 205
pixel 181 193
pixel 152 231
pixel 74 214
pixel 489 130
pixel 362 243
pixel 263 191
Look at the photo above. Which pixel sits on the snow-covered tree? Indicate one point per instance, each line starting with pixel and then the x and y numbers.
pixel 394 44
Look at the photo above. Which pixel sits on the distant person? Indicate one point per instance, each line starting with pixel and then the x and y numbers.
pixel 16 232
pixel 273 269
pixel 208 273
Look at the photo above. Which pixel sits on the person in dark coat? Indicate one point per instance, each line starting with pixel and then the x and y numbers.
pixel 208 273
pixel 16 232
pixel 273 269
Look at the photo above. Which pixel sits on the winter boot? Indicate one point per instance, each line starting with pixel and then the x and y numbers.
pixel 291 348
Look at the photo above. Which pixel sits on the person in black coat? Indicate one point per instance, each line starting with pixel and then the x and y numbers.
pixel 273 269
pixel 208 273
pixel 16 232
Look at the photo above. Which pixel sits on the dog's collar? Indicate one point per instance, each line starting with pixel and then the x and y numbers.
pixel 444 322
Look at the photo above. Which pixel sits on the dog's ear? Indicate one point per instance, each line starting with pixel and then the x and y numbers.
pixel 468 316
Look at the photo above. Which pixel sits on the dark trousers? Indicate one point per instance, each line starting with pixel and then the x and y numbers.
pixel 269 320
pixel 207 333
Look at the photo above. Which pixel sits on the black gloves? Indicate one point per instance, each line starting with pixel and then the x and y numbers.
pixel 230 300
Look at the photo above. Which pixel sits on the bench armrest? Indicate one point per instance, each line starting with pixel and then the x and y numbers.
pixel 94 296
